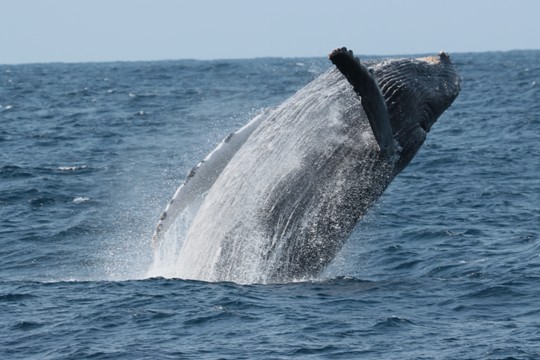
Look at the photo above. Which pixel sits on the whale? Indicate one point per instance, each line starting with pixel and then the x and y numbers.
pixel 277 200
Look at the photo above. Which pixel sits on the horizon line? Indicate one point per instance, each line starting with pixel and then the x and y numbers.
pixel 202 59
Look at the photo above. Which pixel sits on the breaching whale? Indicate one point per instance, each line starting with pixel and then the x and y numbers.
pixel 275 201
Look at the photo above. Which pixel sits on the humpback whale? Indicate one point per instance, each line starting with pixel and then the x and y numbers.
pixel 275 201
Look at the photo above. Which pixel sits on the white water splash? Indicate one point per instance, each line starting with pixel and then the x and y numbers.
pixel 167 251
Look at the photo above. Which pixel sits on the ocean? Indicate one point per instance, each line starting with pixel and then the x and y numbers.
pixel 445 266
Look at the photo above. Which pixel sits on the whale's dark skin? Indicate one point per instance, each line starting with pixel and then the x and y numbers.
pixel 278 199
pixel 415 98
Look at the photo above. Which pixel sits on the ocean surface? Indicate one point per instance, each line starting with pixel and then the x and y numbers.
pixel 445 266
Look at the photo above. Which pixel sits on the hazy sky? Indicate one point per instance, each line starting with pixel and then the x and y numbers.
pixel 108 30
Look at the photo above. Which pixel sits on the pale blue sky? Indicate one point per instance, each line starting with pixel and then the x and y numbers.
pixel 108 30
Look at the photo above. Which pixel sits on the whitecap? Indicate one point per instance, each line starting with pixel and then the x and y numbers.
pixel 80 199
pixel 71 168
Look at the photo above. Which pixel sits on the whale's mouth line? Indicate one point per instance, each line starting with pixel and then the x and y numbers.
pixel 428 118
pixel 424 127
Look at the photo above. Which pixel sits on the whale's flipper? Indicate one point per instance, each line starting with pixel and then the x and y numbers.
pixel 366 86
pixel 188 197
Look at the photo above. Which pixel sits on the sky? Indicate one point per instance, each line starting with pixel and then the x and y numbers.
pixel 127 30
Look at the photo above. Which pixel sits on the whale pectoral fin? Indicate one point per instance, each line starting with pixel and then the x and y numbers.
pixel 366 86
pixel 201 178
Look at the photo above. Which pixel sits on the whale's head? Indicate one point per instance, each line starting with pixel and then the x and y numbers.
pixel 417 92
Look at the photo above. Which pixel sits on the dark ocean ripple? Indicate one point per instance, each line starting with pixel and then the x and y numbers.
pixel 446 266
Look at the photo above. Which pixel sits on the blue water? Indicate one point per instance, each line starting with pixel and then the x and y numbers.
pixel 446 266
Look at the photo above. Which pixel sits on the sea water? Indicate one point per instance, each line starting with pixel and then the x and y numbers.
pixel 445 266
